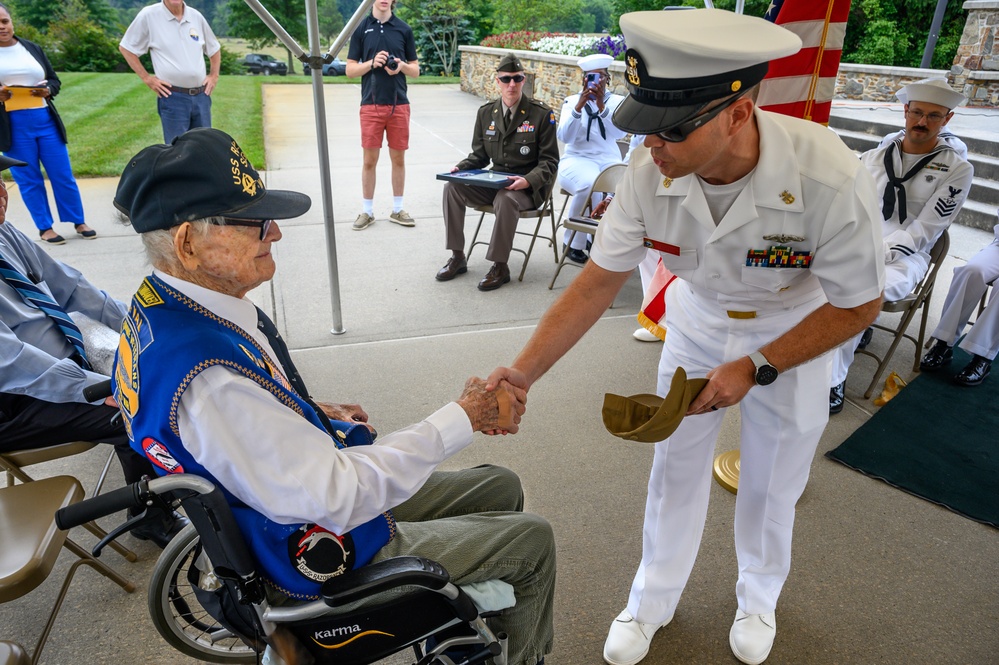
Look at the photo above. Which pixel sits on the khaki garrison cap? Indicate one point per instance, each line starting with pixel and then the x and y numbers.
pixel 510 63
pixel 677 62
pixel 650 418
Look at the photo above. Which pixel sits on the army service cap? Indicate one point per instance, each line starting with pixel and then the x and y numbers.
pixel 680 61
pixel 510 63
pixel 650 418
pixel 933 91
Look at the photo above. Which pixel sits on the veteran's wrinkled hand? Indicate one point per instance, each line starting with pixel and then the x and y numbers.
pixel 492 411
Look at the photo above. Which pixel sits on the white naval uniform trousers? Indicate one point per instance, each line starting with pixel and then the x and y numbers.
pixel 970 282
pixel 808 186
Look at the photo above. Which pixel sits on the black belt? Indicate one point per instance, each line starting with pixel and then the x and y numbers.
pixel 187 91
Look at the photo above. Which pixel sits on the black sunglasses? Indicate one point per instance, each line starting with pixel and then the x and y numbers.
pixel 680 133
pixel 505 80
pixel 263 224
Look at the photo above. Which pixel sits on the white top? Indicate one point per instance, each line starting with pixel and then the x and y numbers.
pixel 933 198
pixel 280 464
pixel 572 125
pixel 177 48
pixel 19 67
pixel 807 184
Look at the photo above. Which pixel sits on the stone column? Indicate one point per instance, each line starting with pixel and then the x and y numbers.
pixel 976 66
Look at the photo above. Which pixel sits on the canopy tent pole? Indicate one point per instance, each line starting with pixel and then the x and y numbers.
pixel 316 62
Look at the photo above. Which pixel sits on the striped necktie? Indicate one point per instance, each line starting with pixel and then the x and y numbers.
pixel 35 297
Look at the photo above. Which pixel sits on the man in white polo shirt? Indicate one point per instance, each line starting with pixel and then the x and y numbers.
pixel 177 38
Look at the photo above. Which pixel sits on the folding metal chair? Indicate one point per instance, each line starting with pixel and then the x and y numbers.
pixel 547 209
pixel 31 545
pixel 908 307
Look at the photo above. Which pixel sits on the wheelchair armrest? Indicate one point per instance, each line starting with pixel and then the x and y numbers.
pixel 377 577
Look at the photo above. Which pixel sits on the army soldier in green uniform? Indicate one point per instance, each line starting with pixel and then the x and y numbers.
pixel 517 134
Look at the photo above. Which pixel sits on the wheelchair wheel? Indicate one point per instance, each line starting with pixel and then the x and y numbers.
pixel 177 614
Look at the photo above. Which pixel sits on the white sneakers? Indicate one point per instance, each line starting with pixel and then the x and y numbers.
pixel 628 640
pixel 643 335
pixel 752 636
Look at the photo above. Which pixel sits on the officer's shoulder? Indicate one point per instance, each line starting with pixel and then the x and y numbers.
pixel 540 104
pixel 488 105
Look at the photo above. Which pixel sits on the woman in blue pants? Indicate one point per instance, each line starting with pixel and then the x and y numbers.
pixel 32 131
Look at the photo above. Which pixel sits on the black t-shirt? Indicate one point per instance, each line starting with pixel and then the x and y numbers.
pixel 372 36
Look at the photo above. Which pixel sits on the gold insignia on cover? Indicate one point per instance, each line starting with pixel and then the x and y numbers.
pixel 787 197
pixel 632 71
pixel 250 185
pixel 736 86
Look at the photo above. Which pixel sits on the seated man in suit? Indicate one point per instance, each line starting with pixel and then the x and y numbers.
pixel 207 386
pixel 924 182
pixel 966 290
pixel 44 360
pixel 517 134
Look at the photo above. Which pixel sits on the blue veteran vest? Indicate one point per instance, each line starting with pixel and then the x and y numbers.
pixel 167 339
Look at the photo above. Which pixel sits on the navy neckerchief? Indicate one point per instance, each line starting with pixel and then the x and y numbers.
pixel 895 187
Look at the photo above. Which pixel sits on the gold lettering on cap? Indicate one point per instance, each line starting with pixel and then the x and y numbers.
pixel 736 86
pixel 632 71
pixel 787 197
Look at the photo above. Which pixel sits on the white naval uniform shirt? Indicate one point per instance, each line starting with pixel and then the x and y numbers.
pixel 177 48
pixel 572 125
pixel 933 198
pixel 807 184
pixel 279 463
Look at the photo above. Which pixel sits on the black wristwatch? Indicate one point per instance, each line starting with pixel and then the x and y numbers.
pixel 765 372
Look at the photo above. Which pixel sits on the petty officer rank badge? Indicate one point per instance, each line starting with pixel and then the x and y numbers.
pixel 778 256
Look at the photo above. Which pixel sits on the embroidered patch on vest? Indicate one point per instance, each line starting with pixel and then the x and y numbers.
pixel 147 295
pixel 157 453
pixel 319 554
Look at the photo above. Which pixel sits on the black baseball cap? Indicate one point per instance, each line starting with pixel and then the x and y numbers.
pixel 7 162
pixel 203 173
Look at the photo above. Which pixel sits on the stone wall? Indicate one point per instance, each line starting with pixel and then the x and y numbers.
pixel 976 65
pixel 874 83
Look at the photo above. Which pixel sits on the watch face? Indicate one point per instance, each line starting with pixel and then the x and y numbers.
pixel 766 375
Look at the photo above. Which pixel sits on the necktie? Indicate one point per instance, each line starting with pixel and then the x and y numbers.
pixel 894 187
pixel 270 331
pixel 600 123
pixel 34 296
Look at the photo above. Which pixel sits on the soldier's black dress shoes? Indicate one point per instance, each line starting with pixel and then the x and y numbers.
pixel 865 339
pixel 456 265
pixel 938 356
pixel 497 276
pixel 160 528
pixel 974 373
pixel 837 395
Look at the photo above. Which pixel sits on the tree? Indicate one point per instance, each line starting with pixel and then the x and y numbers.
pixel 330 20
pixel 289 13
pixel 514 15
pixel 439 28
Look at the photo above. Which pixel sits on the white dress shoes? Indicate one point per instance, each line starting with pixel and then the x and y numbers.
pixel 643 335
pixel 628 640
pixel 752 636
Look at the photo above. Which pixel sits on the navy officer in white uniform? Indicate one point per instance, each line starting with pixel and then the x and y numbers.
pixel 922 184
pixel 772 227
pixel 590 139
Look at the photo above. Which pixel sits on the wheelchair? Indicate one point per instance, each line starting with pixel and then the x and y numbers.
pixel 207 600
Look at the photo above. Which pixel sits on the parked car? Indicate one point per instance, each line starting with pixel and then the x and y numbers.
pixel 336 68
pixel 260 63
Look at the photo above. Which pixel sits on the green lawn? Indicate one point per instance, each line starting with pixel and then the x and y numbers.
pixel 111 117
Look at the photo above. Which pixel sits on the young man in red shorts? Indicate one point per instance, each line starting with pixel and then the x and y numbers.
pixel 383 53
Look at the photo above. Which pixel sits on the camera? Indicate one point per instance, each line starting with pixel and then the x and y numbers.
pixel 592 80
pixel 392 63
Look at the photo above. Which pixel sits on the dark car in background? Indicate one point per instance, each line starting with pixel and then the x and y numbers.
pixel 260 63
pixel 336 68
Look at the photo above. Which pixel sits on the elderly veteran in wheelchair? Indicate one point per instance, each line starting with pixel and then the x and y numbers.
pixel 206 387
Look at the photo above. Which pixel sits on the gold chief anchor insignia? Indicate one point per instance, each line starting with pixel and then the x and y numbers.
pixel 783 238
pixel 787 197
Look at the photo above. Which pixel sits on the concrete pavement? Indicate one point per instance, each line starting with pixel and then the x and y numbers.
pixel 878 575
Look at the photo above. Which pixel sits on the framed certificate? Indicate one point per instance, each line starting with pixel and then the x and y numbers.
pixel 480 178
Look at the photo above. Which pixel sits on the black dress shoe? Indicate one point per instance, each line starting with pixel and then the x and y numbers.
pixel 837 396
pixel 577 256
pixel 456 265
pixel 938 356
pixel 497 276
pixel 160 528
pixel 975 372
pixel 865 339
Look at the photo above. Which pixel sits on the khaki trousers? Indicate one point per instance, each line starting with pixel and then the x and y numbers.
pixel 506 204
pixel 471 522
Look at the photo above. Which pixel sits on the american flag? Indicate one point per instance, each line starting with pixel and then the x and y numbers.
pixel 802 85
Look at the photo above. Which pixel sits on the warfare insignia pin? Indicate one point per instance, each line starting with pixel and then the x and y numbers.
pixel 787 197
pixel 783 238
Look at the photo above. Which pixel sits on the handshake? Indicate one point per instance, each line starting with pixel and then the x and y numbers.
pixel 495 411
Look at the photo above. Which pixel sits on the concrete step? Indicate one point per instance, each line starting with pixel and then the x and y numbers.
pixel 978 215
pixel 976 144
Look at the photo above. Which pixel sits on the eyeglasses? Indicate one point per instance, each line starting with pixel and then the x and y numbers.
pixel 930 117
pixel 263 224
pixel 505 80
pixel 680 133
